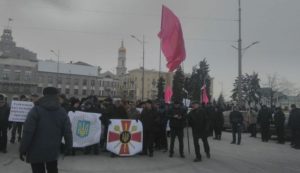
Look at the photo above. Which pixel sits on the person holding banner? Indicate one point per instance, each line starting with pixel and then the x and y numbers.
pixel 46 124
pixel 17 126
pixel 91 106
pixel 4 124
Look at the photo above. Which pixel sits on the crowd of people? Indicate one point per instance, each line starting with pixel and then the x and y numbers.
pixel 263 119
pixel 47 123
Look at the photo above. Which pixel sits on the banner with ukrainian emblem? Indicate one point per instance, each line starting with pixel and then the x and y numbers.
pixel 86 128
pixel 125 137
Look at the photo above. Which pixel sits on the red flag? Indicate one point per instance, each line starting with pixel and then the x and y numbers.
pixel 172 42
pixel 204 97
pixel 168 94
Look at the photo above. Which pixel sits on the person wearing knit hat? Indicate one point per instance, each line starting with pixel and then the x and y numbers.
pixel 50 91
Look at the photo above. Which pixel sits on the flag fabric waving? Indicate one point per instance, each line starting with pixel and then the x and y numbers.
pixel 204 97
pixel 172 42
pixel 168 94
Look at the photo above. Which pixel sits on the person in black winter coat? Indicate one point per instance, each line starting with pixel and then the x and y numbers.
pixel 4 124
pixel 279 119
pixel 236 120
pixel 218 122
pixel 46 124
pixel 264 119
pixel 177 124
pixel 294 124
pixel 149 119
pixel 91 105
pixel 199 122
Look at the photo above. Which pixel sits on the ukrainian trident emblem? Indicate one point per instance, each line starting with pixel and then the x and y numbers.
pixel 83 128
pixel 124 137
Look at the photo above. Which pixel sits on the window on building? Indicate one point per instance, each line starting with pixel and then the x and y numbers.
pixel 40 90
pixel 84 82
pixel 92 92
pixel 41 78
pixel 5 76
pixel 27 76
pixel 17 75
pixel 16 89
pixel 92 82
pixel 50 79
pixel 67 91
pixel 76 81
pixel 59 80
pixel 75 91
pixel 68 81
pixel 84 92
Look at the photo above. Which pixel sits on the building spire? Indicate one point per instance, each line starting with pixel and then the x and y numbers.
pixel 9 21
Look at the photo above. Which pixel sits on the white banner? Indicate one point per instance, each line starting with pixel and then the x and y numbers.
pixel 125 137
pixel 19 110
pixel 86 128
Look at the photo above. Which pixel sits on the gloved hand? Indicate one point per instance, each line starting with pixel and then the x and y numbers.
pixel 22 156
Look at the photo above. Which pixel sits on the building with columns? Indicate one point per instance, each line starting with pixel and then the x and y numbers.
pixel 131 84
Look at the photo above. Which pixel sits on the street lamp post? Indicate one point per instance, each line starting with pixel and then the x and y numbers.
pixel 57 54
pixel 240 54
pixel 142 42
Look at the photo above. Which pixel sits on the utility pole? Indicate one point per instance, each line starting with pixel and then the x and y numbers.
pixel 240 57
pixel 143 68
pixel 241 51
pixel 143 77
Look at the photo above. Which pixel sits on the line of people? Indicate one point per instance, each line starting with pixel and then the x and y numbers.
pixel 264 119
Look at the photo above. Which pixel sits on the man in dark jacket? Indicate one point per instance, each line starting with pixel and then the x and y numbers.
pixel 294 124
pixel 236 120
pixel 197 119
pixel 46 124
pixel 4 124
pixel 279 119
pixel 218 122
pixel 264 119
pixel 91 105
pixel 150 119
pixel 177 124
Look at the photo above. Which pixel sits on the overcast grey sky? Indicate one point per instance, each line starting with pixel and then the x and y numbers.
pixel 91 31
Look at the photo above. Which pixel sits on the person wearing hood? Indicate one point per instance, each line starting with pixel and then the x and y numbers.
pixel 45 126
